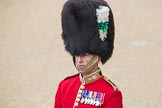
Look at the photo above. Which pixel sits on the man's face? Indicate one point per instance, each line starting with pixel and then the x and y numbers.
pixel 83 60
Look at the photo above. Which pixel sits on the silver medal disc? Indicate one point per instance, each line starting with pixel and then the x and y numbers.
pixel 91 102
pixel 97 103
pixel 86 101
pixel 94 102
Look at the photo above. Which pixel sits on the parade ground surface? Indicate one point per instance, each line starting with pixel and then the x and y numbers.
pixel 33 60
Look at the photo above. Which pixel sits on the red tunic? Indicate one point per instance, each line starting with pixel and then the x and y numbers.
pixel 68 90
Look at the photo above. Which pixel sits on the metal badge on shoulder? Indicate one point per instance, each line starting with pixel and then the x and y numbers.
pixel 111 83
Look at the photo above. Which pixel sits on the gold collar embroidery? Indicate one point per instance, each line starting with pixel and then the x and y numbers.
pixel 91 77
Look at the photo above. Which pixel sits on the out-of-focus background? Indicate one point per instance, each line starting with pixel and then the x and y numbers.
pixel 33 59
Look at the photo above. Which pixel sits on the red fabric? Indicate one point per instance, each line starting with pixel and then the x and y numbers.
pixel 68 89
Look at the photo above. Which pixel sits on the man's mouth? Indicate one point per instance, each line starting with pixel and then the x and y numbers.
pixel 79 66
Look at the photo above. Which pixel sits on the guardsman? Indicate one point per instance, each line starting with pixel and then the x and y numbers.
pixel 88 35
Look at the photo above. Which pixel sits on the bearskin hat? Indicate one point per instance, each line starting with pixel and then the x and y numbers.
pixel 80 30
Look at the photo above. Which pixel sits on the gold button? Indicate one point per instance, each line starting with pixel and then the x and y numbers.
pixel 82 87
pixel 78 95
pixel 80 91
pixel 75 104
pixel 77 99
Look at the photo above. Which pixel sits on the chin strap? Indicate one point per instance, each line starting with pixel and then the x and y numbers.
pixel 89 65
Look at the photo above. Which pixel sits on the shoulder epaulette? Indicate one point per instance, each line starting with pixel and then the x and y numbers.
pixel 71 76
pixel 111 83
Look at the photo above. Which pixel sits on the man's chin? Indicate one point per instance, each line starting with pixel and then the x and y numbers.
pixel 80 69
pixel 82 72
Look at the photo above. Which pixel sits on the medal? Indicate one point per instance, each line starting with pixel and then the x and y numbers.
pixel 94 102
pixel 92 98
pixel 88 101
pixel 91 101
pixel 85 101
pixel 86 97
pixel 83 96
pixel 97 103
pixel 102 98
pixel 98 99
pixel 89 97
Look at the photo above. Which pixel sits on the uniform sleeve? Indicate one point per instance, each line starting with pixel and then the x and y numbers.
pixel 114 100
pixel 58 103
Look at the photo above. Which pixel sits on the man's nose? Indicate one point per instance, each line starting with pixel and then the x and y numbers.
pixel 79 59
